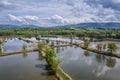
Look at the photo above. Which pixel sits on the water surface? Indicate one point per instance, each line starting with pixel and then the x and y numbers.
pixel 82 65
pixel 15 44
pixel 26 66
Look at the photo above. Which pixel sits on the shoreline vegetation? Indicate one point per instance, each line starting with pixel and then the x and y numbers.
pixel 18 52
pixel 111 51
pixel 53 63
pixel 102 53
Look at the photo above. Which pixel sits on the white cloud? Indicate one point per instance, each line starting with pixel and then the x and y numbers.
pixel 31 17
pixel 58 19
pixel 67 11
pixel 15 18
pixel 54 20
pixel 84 12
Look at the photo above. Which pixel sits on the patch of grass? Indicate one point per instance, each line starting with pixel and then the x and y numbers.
pixel 61 74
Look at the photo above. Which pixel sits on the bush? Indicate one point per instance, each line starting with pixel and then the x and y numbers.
pixel 112 47
pixel 86 43
pixel 41 46
pixel 24 47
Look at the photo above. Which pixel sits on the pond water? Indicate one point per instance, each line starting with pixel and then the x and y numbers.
pixel 65 39
pixel 55 42
pixel 14 45
pixel 84 65
pixel 78 63
pixel 26 66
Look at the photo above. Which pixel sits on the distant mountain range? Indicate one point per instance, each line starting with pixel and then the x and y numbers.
pixel 17 26
pixel 82 25
pixel 95 25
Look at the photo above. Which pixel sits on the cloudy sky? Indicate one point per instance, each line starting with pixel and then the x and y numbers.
pixel 58 12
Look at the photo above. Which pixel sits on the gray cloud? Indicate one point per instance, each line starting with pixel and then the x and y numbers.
pixel 93 10
pixel 56 12
pixel 28 19
pixel 113 4
pixel 5 5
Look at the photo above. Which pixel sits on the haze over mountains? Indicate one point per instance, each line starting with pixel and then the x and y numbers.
pixel 81 25
pixel 97 25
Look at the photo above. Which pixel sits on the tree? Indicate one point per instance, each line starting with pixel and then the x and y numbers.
pixel 50 54
pixel 47 41
pixel 104 46
pixel 50 58
pixel 0 50
pixel 71 38
pixel 52 44
pixel 99 47
pixel 24 47
pixel 113 35
pixel 112 47
pixel 86 43
pixel 38 38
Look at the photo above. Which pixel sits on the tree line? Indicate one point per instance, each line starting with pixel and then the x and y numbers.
pixel 53 32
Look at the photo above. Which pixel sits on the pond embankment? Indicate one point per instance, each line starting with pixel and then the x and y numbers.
pixel 99 52
pixel 60 74
pixel 18 52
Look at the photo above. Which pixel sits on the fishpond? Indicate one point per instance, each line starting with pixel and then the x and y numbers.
pixel 25 66
pixel 85 65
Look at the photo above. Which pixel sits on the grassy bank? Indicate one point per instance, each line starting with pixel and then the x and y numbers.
pixel 17 52
pixel 102 52
pixel 63 75
pixel 52 61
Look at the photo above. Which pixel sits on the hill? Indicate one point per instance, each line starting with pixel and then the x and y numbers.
pixel 80 25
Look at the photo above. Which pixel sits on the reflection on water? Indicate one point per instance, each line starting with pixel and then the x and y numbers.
pixel 25 54
pixel 85 65
pixel 111 62
pixel 58 49
pixel 24 66
pixel 65 39
pixel 78 63
pixel 99 58
pixel 86 53
pixel 14 45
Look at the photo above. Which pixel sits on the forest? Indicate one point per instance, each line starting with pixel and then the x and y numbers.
pixel 97 33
